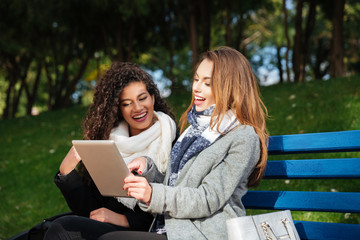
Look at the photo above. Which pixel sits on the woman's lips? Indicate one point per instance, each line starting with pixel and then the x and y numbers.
pixel 140 117
pixel 198 100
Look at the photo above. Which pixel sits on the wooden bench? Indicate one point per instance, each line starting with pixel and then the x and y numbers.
pixel 332 201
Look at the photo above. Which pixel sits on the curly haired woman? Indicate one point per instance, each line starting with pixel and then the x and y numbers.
pixel 128 109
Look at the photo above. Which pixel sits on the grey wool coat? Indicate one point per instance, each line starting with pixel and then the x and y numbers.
pixel 209 188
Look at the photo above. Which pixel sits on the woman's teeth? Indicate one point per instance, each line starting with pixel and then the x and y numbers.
pixel 140 116
pixel 199 98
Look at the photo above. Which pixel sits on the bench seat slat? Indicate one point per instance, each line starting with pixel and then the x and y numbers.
pixel 315 142
pixel 322 230
pixel 313 168
pixel 346 202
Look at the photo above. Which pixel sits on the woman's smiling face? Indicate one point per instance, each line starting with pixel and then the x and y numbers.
pixel 137 107
pixel 203 97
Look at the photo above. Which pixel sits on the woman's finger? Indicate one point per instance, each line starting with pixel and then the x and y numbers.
pixel 134 179
pixel 97 211
pixel 134 186
pixel 138 165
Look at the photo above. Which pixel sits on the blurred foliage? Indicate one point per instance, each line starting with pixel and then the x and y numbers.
pixel 33 148
pixel 49 48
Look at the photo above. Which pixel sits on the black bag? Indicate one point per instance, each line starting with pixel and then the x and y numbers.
pixel 38 231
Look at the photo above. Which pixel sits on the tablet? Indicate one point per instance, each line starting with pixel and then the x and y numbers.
pixel 105 165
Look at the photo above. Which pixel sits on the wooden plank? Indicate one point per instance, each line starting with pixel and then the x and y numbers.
pixel 313 168
pixel 315 142
pixel 322 230
pixel 346 202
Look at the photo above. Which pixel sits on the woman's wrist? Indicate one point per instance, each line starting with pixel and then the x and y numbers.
pixel 149 201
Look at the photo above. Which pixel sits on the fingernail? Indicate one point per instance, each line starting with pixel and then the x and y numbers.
pixel 123 188
pixel 140 172
pixel 127 194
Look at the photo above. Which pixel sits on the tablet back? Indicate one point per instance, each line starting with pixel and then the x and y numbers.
pixel 105 165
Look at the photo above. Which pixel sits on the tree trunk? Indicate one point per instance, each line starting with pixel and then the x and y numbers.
pixel 310 24
pixel 16 98
pixel 16 68
pixel 281 72
pixel 11 76
pixel 337 49
pixel 72 85
pixel 205 9
pixel 297 56
pixel 23 72
pixel 301 41
pixel 120 55
pixel 238 41
pixel 61 83
pixel 31 96
pixel 7 109
pixel 193 32
pixel 50 85
pixel 228 37
pixel 287 43
pixel 131 39
pixel 169 35
pixel 322 54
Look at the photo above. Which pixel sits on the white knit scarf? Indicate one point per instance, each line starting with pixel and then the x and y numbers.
pixel 154 142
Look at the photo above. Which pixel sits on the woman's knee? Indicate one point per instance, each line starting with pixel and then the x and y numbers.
pixel 66 227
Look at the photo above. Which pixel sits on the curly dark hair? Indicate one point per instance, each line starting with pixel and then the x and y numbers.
pixel 104 113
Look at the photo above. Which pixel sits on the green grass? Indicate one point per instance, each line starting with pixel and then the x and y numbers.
pixel 33 147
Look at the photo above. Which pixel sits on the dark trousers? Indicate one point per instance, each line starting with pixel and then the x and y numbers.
pixel 132 235
pixel 77 227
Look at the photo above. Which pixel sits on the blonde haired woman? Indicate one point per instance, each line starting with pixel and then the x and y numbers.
pixel 214 161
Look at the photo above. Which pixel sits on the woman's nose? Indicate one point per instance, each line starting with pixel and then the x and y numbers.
pixel 196 87
pixel 137 106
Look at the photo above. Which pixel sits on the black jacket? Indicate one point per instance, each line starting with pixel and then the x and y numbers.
pixel 82 199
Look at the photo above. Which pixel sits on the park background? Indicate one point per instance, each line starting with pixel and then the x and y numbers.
pixel 306 55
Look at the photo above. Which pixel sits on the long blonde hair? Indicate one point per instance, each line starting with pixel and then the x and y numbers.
pixel 235 87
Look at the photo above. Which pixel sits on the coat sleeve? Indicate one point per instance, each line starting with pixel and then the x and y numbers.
pixel 152 173
pixel 79 197
pixel 216 188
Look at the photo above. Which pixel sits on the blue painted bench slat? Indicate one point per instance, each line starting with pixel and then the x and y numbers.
pixel 314 168
pixel 346 202
pixel 343 141
pixel 326 168
pixel 321 230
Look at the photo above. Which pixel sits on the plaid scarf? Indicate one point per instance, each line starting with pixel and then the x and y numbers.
pixel 197 137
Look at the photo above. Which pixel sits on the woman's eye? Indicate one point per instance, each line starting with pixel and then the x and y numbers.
pixel 196 79
pixel 125 104
pixel 207 84
pixel 142 99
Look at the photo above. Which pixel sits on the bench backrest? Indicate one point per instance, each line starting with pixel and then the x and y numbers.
pixel 339 168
